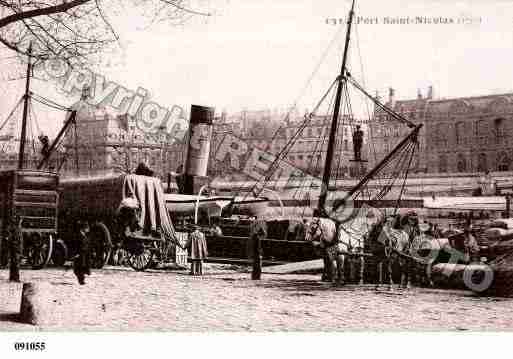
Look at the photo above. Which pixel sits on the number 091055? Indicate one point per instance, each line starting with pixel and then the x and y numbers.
pixel 29 346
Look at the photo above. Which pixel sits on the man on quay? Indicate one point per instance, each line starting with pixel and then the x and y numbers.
pixel 82 261
pixel 258 232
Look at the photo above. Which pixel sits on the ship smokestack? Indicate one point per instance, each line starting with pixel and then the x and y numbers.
pixel 430 93
pixel 198 152
pixel 391 97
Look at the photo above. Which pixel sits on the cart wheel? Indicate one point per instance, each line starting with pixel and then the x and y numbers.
pixel 60 253
pixel 100 245
pixel 141 258
pixel 40 250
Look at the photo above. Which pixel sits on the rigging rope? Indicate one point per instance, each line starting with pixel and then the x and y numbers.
pixel 278 158
pixel 389 111
pixel 11 113
pixel 48 102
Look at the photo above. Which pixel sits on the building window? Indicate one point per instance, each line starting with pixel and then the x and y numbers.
pixel 482 166
pixel 459 130
pixel 462 163
pixel 310 134
pixel 346 145
pixel 300 157
pixel 481 131
pixel 442 164
pixel 503 162
pixel 499 130
pixel 441 134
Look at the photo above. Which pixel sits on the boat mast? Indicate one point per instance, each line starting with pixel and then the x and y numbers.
pixel 334 122
pixel 21 154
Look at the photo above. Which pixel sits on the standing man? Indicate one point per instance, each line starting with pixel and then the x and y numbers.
pixel 82 261
pixel 358 143
pixel 258 231
pixel 470 245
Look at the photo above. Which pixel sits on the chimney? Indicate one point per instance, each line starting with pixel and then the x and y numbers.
pixel 391 99
pixel 430 93
pixel 419 94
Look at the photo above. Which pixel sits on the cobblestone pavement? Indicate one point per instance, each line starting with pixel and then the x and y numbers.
pixel 119 299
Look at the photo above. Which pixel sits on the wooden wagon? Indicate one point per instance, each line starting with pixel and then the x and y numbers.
pixel 28 209
pixel 98 203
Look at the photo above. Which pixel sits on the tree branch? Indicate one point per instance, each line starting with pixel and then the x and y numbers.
pixel 43 11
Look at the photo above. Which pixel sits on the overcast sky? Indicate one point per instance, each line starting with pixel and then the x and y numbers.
pixel 260 53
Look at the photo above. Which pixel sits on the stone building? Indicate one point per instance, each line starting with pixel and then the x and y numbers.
pixel 386 133
pixel 460 135
pixel 470 134
pixel 107 143
pixel 9 153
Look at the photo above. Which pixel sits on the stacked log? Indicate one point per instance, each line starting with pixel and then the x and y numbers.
pixel 478 277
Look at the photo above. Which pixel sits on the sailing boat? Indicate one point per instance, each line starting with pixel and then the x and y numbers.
pixel 349 209
pixel 391 167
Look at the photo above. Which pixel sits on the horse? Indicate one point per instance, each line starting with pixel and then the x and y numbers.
pixel 324 231
pixel 389 244
pixel 337 244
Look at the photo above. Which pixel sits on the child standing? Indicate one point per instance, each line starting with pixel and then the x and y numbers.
pixel 197 246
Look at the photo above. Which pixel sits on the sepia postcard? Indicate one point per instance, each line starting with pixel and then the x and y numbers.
pixel 177 172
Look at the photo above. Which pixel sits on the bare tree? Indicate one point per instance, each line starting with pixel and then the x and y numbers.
pixel 74 30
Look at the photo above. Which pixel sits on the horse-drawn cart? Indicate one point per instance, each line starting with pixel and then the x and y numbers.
pixel 123 212
pixel 28 209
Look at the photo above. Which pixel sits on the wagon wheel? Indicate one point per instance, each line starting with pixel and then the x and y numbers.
pixel 100 245
pixel 140 256
pixel 40 250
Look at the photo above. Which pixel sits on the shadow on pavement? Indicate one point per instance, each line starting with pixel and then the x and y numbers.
pixel 10 317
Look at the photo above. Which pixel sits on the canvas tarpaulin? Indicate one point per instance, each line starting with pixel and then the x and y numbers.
pixel 150 195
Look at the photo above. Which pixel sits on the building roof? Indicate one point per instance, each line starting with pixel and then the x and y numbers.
pixel 462 104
